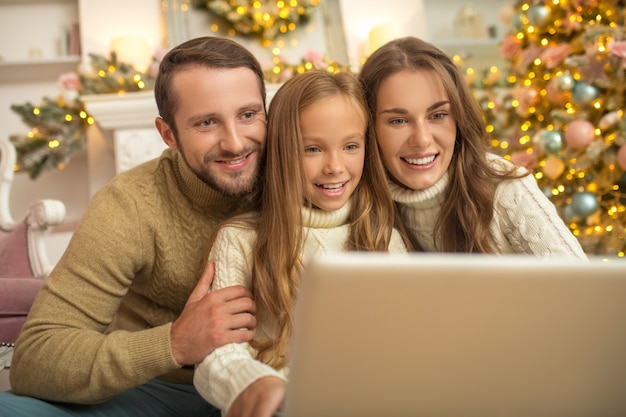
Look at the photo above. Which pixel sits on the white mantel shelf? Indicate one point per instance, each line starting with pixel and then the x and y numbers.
pixel 122 111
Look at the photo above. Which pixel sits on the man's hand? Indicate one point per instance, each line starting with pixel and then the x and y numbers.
pixel 211 320
pixel 261 399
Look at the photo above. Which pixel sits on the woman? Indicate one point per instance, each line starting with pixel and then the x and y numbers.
pixel 453 195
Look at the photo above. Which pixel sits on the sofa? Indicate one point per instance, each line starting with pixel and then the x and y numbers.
pixel 24 263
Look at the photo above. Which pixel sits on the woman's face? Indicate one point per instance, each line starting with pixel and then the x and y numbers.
pixel 415 128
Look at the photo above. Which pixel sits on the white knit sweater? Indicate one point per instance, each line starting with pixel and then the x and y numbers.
pixel 525 220
pixel 228 370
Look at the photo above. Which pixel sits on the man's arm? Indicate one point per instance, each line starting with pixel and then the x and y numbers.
pixel 67 351
pixel 62 353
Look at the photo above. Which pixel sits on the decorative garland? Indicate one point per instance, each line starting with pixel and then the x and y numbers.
pixel 264 18
pixel 58 125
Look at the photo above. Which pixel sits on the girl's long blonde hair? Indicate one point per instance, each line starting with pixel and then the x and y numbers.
pixel 277 252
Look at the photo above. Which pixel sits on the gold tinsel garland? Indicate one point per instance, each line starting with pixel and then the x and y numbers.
pixel 263 18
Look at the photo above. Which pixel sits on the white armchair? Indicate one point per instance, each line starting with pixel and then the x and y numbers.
pixel 24 261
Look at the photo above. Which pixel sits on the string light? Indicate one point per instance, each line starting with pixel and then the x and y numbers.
pixel 563 69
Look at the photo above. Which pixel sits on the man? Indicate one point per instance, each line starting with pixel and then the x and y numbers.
pixel 123 318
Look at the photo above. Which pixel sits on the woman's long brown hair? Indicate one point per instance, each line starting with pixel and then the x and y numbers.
pixel 465 216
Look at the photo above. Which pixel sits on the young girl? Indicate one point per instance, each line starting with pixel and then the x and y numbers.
pixel 324 190
pixel 452 194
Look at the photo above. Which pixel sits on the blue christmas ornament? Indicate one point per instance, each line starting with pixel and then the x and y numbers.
pixel 551 141
pixel 583 93
pixel 584 203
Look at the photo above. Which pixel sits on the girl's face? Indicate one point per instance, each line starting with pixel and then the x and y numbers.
pixel 333 132
pixel 415 128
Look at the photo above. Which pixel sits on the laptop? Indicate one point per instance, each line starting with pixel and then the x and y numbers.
pixel 459 335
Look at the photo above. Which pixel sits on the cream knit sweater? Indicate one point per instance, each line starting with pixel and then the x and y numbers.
pixel 525 221
pixel 226 372
pixel 101 324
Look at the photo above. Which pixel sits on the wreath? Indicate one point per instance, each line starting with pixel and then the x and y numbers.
pixel 264 18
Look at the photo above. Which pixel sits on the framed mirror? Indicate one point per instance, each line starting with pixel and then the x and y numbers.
pixel 323 34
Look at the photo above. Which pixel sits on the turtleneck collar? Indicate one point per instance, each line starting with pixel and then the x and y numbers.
pixel 194 188
pixel 426 198
pixel 322 219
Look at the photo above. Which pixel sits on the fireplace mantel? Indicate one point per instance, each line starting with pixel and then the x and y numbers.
pixel 130 118
pixel 122 111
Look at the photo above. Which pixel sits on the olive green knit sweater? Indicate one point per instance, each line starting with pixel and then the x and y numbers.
pixel 101 323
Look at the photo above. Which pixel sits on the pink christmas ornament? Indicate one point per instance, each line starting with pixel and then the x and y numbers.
pixel 579 134
pixel 621 157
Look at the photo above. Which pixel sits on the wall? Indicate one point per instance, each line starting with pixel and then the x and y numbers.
pixel 432 20
pixel 100 23
pixel 402 17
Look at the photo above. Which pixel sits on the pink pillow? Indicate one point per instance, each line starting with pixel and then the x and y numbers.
pixel 14 253
pixel 17 295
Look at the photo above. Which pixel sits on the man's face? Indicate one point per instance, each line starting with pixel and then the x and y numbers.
pixel 221 124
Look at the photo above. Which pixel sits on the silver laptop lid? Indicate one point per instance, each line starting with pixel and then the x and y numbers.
pixel 459 335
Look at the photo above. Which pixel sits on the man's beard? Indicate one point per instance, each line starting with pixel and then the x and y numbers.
pixel 235 184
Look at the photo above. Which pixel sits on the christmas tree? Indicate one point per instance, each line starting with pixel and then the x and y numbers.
pixel 561 112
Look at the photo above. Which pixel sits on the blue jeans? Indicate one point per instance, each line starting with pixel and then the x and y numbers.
pixel 155 398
